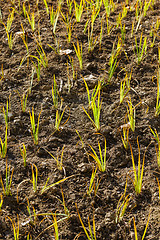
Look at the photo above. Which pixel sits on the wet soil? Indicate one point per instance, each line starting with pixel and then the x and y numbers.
pixel 18 75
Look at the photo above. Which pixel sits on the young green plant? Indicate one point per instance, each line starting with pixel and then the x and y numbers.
pixel 131 115
pixel 122 205
pixel 15 227
pixel 138 175
pixel 78 51
pixel 158 94
pixel 55 93
pixel 34 130
pixel 3 146
pixel 156 137
pixel 141 48
pixel 101 159
pixel 90 231
pixel 135 229
pixel 6 188
pixel 78 10
pixel 96 109
pixel 23 154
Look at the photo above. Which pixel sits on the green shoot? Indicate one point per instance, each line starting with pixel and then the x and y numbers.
pixel 94 93
pixel 93 185
pixel 15 228
pixel 125 128
pixel 55 225
pixel 145 230
pixel 31 20
pixel 90 234
pixel 59 162
pixel 141 49
pixel 138 176
pixel 23 154
pixel 32 217
pixel 156 137
pixel 124 88
pixel 158 94
pixel 131 115
pixel 46 5
pixel 23 100
pixel 78 51
pixel 78 10
pixel 1 202
pixel 38 69
pixel 54 18
pixel 34 131
pixel 45 188
pixel 3 146
pixel 146 6
pixel 59 119
pixel 122 205
pixel 9 21
pixel 158 189
pixel 55 94
pixel 109 6
pixel 96 108
pixel 101 159
pixel 113 59
pixel 34 177
pixel 7 188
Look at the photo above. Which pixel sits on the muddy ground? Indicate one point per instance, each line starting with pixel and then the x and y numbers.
pixel 17 76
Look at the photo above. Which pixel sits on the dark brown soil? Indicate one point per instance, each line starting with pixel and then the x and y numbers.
pixel 17 75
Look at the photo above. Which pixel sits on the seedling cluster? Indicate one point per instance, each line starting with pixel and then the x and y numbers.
pixel 79 102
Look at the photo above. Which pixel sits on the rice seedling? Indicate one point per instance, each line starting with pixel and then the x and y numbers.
pixel 58 161
pixel 24 39
pixel 109 6
pixel 146 7
pixel 138 176
pixel 158 94
pixel 55 225
pixel 42 56
pixel 34 130
pixel 113 59
pixel 94 183
pixel 46 6
pixel 55 93
pixel 6 187
pixel 110 27
pixel 94 93
pixel 78 51
pixel 122 205
pixel 125 140
pixel 46 187
pixel 23 100
pixel 124 87
pixel 54 17
pixel 70 6
pixel 32 216
pixel 158 188
pixel 38 69
pixel 10 39
pixel 131 115
pixel 34 177
pixel 145 230
pixel 23 154
pixel 78 10
pixel 15 227
pixel 90 231
pixel 96 109
pixel 3 146
pixel 31 20
pixel 1 203
pixel 141 48
pixel 101 159
pixel 156 137
pixel 2 73
pixel 91 42
pixel 59 119
pixel 10 21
